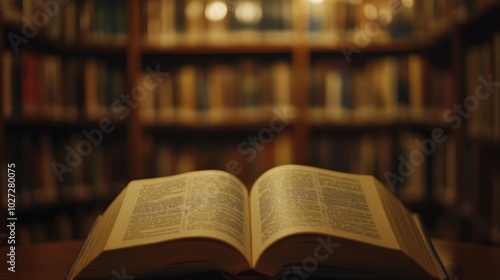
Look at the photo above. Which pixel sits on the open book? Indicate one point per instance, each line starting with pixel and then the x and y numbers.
pixel 296 222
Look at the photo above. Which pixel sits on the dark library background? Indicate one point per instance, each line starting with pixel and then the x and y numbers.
pixel 97 93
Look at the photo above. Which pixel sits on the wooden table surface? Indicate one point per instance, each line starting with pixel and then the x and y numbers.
pixel 53 260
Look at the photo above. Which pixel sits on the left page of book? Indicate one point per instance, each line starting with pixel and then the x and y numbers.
pixel 201 204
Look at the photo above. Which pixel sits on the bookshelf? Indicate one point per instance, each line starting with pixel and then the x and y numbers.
pixel 480 69
pixel 56 124
pixel 204 77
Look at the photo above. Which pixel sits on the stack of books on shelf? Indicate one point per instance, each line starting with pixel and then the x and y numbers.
pixel 480 108
pixel 380 21
pixel 482 64
pixel 403 87
pixel 169 22
pixel 64 89
pixel 363 21
pixel 87 21
pixel 219 92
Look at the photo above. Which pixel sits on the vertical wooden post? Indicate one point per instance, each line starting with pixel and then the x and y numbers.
pixel 300 91
pixel 3 129
pixel 134 128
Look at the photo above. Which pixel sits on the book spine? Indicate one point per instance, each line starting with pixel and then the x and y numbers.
pixel 7 81
pixel 30 88
pixel 70 275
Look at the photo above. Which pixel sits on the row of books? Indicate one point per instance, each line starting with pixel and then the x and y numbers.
pixel 70 88
pixel 168 21
pixel 378 20
pixel 196 91
pixel 482 100
pixel 72 21
pixel 52 168
pixel 386 85
pixel 235 154
pixel 54 87
pixel 366 21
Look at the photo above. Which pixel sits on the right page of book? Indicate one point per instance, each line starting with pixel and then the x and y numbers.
pixel 292 199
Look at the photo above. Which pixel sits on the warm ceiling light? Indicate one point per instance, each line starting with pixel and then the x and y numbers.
pixel 216 11
pixel 248 12
pixel 316 2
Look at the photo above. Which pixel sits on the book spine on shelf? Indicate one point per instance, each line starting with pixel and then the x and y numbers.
pixel 7 81
pixel 70 22
pixel 30 87
pixel 444 183
pixel 98 26
pixel 45 188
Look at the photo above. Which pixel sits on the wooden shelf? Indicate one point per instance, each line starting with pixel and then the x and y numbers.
pixel 237 120
pixel 48 123
pixel 390 46
pixel 41 42
pixel 383 47
pixel 354 121
pixel 206 48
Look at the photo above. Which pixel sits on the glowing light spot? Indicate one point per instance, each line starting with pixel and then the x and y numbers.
pixel 216 11
pixel 248 12
pixel 316 2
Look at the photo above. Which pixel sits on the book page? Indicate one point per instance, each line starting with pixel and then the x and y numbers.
pixel 292 199
pixel 197 204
